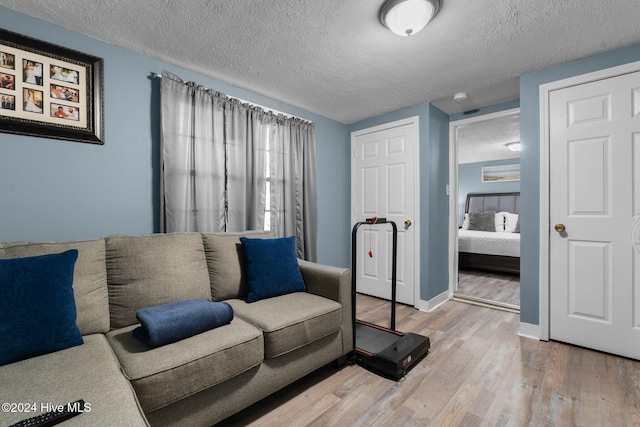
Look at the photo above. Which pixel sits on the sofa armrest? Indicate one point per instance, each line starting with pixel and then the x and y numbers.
pixel 333 283
pixel 329 282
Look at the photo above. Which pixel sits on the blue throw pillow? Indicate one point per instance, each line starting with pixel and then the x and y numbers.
pixel 271 267
pixel 37 308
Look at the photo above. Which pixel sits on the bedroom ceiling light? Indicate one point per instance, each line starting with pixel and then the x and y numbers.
pixel 513 146
pixel 407 17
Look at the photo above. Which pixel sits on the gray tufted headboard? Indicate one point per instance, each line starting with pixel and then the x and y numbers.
pixel 493 202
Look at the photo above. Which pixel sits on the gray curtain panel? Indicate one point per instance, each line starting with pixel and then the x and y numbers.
pixel 293 182
pixel 193 157
pixel 226 164
pixel 245 143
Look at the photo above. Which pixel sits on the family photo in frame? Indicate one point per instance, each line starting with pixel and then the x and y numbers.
pixel 50 91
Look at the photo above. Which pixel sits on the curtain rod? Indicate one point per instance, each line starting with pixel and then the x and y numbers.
pixel 253 104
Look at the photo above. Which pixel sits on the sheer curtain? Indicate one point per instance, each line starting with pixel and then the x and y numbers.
pixel 246 150
pixel 229 166
pixel 293 198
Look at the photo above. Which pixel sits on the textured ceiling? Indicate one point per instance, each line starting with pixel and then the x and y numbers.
pixel 487 139
pixel 334 58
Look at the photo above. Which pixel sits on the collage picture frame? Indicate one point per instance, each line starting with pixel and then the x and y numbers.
pixel 50 91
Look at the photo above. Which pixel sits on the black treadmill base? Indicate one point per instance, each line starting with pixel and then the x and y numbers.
pixel 404 352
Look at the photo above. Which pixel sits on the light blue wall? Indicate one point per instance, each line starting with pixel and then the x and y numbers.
pixel 333 159
pixel 437 239
pixel 61 190
pixel 470 181
pixel 530 165
pixel 434 170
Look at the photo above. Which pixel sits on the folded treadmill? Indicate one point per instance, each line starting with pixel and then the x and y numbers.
pixel 385 351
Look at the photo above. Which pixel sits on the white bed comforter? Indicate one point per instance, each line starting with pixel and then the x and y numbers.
pixel 488 242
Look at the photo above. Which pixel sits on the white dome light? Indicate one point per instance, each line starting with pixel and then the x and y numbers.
pixel 513 146
pixel 407 17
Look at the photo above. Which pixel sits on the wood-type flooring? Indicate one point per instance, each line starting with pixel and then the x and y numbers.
pixel 479 372
pixel 489 286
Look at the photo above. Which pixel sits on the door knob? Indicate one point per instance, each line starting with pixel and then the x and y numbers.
pixel 407 223
pixel 559 228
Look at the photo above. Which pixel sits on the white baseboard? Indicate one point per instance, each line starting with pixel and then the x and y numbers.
pixel 527 330
pixel 434 303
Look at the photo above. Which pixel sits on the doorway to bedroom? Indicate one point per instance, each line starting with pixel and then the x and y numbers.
pixel 484 210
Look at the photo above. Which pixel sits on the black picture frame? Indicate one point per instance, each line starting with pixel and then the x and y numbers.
pixel 39 77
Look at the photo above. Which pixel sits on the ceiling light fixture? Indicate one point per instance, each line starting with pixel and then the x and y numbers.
pixel 513 146
pixel 407 17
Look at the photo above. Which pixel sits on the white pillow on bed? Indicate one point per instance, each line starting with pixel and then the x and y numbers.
pixel 510 221
pixel 465 223
pixel 499 221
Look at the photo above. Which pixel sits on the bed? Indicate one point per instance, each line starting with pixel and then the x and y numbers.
pixel 489 238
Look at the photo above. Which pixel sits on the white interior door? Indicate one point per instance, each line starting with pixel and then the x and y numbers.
pixel 594 208
pixel 384 185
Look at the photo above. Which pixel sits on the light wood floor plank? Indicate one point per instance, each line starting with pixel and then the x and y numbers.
pixel 488 285
pixel 479 372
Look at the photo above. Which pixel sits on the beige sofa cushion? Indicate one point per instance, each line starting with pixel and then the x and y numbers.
pixel 169 373
pixel 290 321
pixel 89 279
pixel 224 258
pixel 90 372
pixel 145 271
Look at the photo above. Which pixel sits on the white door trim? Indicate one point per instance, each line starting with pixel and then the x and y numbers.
pixel 415 126
pixel 453 188
pixel 544 229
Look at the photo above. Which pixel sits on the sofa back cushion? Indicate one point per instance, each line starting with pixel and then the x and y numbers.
pixel 146 271
pixel 225 262
pixel 89 279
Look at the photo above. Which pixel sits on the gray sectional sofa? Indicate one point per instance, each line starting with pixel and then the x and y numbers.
pixel 197 381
